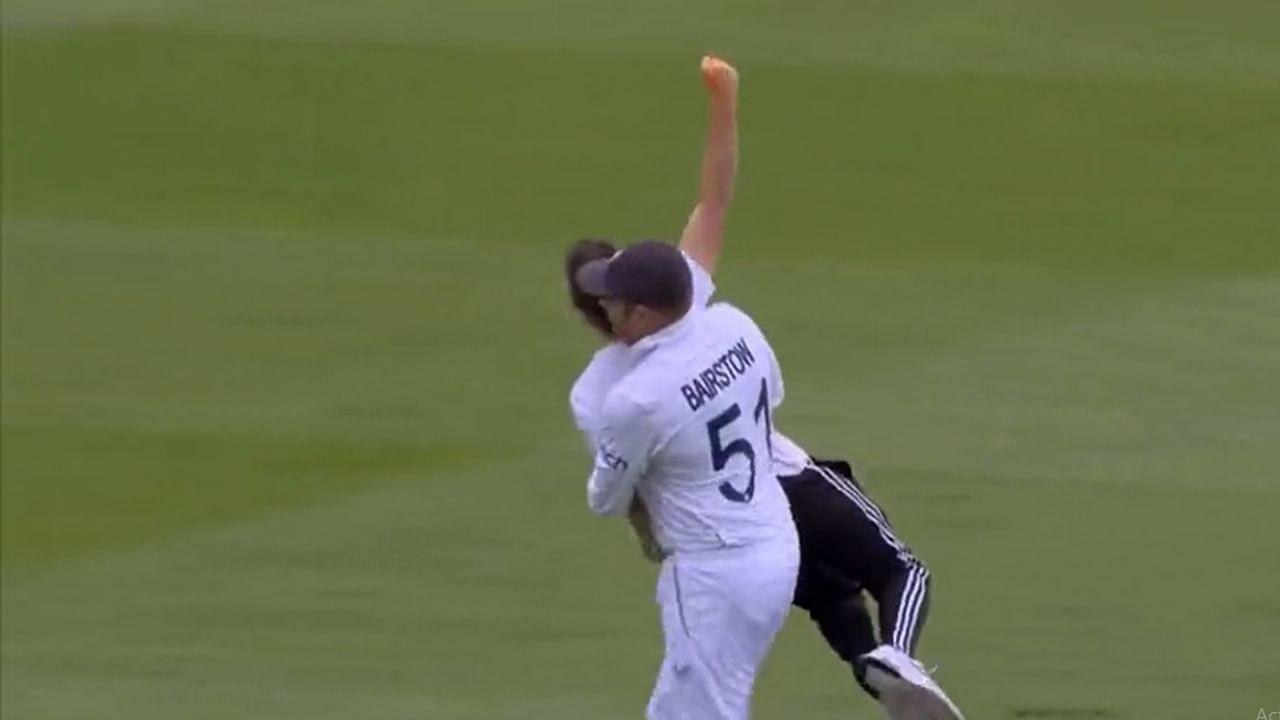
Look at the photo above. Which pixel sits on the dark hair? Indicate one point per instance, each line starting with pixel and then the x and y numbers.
pixel 580 253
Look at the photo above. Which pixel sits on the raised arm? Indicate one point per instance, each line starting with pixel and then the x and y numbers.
pixel 703 235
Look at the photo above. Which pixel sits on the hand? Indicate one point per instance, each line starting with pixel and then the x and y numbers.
pixel 720 77
pixel 650 548
pixel 638 515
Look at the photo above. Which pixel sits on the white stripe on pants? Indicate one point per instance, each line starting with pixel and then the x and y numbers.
pixel 912 599
pixel 721 610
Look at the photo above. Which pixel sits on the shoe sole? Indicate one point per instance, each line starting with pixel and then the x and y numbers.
pixel 903 699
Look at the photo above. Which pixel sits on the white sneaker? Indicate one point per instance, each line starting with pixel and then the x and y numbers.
pixel 903 686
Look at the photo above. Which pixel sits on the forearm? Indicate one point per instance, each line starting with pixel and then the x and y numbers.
pixel 703 236
pixel 720 154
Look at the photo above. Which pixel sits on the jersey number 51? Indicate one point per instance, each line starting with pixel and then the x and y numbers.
pixel 722 453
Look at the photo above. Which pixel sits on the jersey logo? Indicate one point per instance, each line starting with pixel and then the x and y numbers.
pixel 609 457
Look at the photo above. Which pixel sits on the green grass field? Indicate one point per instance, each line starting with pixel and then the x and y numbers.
pixel 285 358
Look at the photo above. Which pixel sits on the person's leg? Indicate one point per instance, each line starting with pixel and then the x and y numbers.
pixel 861 544
pixel 664 700
pixel 847 546
pixel 903 599
pixel 839 609
pixel 686 687
pixel 760 586
pixel 721 615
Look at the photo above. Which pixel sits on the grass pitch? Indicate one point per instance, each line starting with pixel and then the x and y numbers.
pixel 285 358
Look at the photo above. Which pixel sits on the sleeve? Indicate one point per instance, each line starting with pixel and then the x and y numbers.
pixel 623 445
pixel 590 437
pixel 585 400
pixel 584 417
pixel 703 286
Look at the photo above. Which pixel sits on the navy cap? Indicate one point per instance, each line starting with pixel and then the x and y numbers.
pixel 649 273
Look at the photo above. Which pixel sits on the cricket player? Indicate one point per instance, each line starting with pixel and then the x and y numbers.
pixel 688 428
pixel 847 543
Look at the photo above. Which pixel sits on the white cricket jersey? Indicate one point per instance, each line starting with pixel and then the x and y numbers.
pixel 688 427
pixel 612 361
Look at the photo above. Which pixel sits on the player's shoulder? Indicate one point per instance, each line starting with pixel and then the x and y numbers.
pixel 628 401
pixel 639 387
pixel 726 317
pixel 724 311
pixel 587 392
pixel 605 361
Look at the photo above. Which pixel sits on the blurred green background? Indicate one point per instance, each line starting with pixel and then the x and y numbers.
pixel 285 356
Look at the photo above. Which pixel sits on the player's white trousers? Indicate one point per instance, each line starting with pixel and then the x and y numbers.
pixel 721 610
